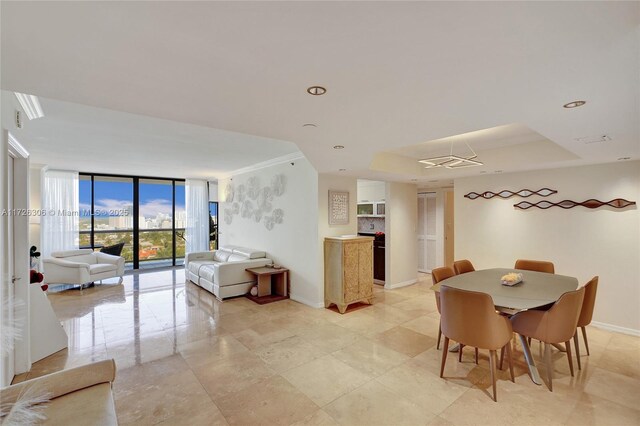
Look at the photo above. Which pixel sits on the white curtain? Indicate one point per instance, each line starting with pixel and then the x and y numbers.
pixel 197 206
pixel 61 209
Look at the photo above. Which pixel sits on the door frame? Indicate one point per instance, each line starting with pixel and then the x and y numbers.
pixel 18 246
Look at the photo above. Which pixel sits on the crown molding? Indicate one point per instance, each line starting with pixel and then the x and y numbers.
pixel 16 149
pixel 264 164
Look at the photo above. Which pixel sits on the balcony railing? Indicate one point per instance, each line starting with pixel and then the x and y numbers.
pixel 150 248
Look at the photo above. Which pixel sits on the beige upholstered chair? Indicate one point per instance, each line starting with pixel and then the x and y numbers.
pixel 535 265
pixel 586 314
pixel 469 317
pixel 557 325
pixel 437 275
pixel 463 266
pixel 80 395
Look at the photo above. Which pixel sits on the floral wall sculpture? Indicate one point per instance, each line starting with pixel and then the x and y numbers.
pixel 251 200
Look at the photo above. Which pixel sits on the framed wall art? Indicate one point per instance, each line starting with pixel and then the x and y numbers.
pixel 338 207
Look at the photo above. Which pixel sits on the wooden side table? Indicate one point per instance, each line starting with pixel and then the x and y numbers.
pixel 271 280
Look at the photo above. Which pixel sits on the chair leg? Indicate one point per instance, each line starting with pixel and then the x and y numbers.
pixel 568 346
pixel 501 357
pixel 586 342
pixel 577 346
pixel 492 364
pixel 513 378
pixel 476 356
pixel 439 335
pixel 547 355
pixel 460 353
pixel 445 351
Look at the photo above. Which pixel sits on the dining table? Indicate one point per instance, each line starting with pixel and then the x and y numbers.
pixel 537 289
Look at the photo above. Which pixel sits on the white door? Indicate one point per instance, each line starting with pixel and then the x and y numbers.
pixel 8 364
pixel 426 232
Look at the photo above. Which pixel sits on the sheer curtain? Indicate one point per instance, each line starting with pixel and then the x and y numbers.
pixel 197 207
pixel 60 205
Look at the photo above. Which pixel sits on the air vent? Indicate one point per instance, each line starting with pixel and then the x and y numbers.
pixel 593 139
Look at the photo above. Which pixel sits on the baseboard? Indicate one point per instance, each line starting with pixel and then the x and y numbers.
pixel 305 301
pixel 616 328
pixel 400 284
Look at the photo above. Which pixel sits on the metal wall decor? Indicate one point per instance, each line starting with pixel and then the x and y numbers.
pixel 617 203
pixel 251 200
pixel 544 192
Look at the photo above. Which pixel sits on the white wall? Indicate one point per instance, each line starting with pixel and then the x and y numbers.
pixel 293 243
pixel 581 242
pixel 328 182
pixel 401 255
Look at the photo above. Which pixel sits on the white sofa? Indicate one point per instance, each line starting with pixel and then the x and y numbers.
pixel 81 267
pixel 223 271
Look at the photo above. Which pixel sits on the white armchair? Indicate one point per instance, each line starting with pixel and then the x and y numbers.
pixel 81 267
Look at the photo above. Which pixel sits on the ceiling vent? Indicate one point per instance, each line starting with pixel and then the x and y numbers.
pixel 593 139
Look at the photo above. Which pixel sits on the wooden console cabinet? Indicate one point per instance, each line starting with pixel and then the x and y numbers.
pixel 348 271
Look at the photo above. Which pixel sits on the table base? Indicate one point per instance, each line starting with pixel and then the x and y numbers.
pixel 533 370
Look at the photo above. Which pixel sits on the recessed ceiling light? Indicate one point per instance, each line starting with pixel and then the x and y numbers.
pixel 31 105
pixel 574 104
pixel 309 125
pixel 338 147
pixel 316 90
pixel 624 158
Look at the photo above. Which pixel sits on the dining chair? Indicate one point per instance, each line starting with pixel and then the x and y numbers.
pixel 535 265
pixel 463 266
pixel 437 275
pixel 470 318
pixel 557 325
pixel 586 314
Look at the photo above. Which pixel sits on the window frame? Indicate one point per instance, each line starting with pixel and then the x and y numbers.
pixel 136 211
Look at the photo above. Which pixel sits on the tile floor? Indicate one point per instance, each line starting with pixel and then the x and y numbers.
pixel 184 358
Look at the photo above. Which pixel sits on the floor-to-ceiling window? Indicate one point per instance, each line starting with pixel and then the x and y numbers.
pixel 144 214
pixel 213 225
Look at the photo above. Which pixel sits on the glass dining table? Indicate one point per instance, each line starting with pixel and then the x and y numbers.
pixel 536 289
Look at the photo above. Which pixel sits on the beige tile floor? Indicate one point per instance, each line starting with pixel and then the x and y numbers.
pixel 184 358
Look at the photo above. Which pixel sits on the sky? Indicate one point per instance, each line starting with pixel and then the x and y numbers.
pixel 154 198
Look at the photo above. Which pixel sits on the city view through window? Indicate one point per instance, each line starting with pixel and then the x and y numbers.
pixel 160 223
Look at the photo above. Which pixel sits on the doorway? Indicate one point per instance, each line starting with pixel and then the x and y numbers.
pixel 14 244
pixel 8 292
pixel 435 229
pixel 427 232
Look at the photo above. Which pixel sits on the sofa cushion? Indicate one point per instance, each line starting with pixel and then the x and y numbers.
pixel 222 255
pixel 237 258
pixel 195 265
pixel 207 272
pixel 99 268
pixel 249 253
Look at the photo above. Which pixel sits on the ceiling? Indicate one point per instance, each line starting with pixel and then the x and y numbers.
pixel 398 74
pixel 77 137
